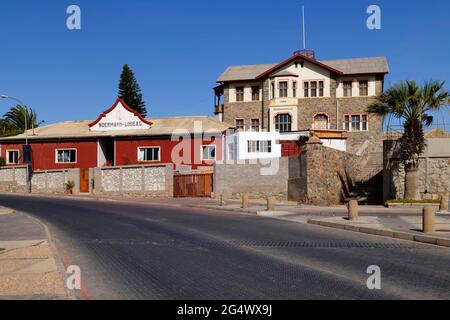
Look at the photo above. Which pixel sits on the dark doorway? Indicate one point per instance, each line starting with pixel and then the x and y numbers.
pixel 107 150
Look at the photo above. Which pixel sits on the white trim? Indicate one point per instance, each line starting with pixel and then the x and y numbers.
pixel 208 145
pixel 66 149
pixel 149 147
pixel 7 156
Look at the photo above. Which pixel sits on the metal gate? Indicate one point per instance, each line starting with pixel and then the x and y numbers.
pixel 192 185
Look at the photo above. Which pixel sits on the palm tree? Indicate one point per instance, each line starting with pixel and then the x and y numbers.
pixel 412 104
pixel 14 119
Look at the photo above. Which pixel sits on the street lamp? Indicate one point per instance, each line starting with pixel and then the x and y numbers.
pixel 26 135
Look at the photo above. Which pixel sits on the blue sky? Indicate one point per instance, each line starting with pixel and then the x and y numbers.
pixel 179 48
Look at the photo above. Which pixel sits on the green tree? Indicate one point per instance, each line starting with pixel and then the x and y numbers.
pixel 13 122
pixel 130 91
pixel 412 105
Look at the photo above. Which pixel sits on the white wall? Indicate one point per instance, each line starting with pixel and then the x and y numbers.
pixel 238 142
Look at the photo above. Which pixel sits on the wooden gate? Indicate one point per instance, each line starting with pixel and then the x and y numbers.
pixel 192 185
pixel 84 180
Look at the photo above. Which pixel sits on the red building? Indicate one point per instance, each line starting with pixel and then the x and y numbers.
pixel 119 136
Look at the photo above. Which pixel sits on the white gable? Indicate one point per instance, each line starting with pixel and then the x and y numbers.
pixel 120 118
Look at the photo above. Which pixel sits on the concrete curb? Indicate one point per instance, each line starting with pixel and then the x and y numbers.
pixel 384 233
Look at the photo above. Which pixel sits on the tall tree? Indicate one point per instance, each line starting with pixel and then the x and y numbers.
pixel 130 91
pixel 412 104
pixel 13 122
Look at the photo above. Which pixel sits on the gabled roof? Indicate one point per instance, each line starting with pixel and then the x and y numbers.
pixel 160 127
pixel 347 67
pixel 121 101
pixel 297 57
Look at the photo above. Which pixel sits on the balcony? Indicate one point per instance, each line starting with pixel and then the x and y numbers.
pixel 279 102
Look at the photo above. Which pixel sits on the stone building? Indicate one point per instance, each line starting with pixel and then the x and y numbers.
pixel 302 93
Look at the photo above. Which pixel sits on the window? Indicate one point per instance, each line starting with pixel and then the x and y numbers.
pixel 348 88
pixel 209 153
pixel 283 122
pixel 294 89
pixel 255 125
pixel 313 89
pixel 149 154
pixel 239 94
pixel 356 122
pixel 364 88
pixel 320 121
pixel 240 124
pixel 273 90
pixel 255 93
pixel 364 122
pixel 347 123
pixel 258 146
pixel 66 156
pixel 12 156
pixel 283 86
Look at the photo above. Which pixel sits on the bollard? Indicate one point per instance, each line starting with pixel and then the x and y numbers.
pixel 245 200
pixel 353 210
pixel 428 219
pixel 270 204
pixel 223 199
pixel 444 203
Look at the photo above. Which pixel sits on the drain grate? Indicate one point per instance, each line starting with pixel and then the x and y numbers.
pixel 320 244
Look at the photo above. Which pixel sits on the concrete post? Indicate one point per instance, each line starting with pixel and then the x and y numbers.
pixel 223 199
pixel 245 200
pixel 270 203
pixel 429 219
pixel 353 210
pixel 444 203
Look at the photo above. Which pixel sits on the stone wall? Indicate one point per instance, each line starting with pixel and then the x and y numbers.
pixel 434 170
pixel 53 181
pixel 148 180
pixel 258 178
pixel 321 174
pixel 13 179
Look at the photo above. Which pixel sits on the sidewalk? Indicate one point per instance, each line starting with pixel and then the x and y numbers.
pixel 28 269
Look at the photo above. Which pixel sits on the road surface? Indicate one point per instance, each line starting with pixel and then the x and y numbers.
pixel 141 251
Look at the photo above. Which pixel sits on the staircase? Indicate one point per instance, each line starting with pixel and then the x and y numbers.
pixel 368 185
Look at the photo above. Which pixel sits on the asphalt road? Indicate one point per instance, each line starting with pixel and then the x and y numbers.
pixel 137 251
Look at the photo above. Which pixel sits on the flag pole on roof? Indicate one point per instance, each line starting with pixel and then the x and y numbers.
pixel 303 27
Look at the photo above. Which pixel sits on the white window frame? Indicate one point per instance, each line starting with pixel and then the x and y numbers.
pixel 256 146
pixel 350 115
pixel 149 147
pixel 66 149
pixel 7 156
pixel 208 146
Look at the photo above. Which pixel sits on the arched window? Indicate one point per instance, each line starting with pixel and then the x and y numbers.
pixel 320 121
pixel 283 122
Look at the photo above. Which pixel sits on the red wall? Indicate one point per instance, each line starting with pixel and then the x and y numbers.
pixel 127 151
pixel 44 157
pixel 289 148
